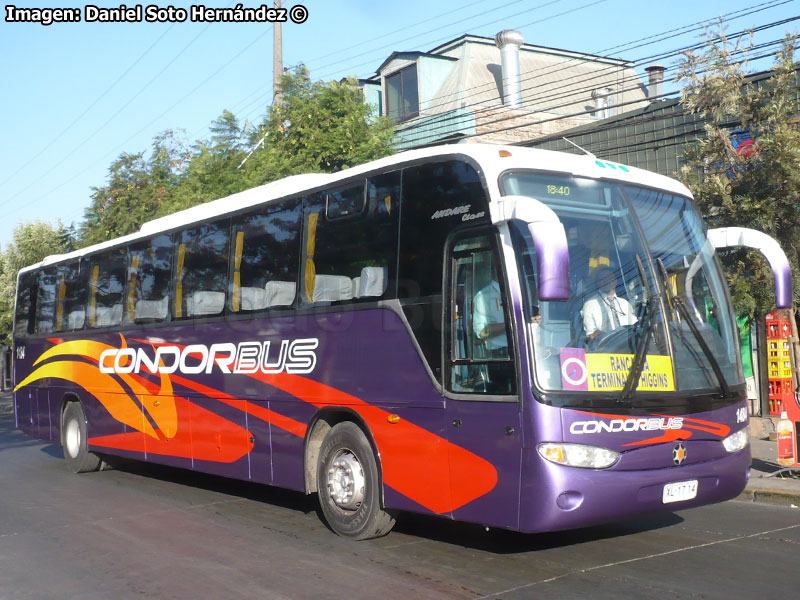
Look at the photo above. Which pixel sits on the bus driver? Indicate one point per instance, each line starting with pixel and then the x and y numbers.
pixel 605 311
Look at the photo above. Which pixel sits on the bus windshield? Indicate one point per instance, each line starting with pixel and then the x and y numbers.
pixel 643 281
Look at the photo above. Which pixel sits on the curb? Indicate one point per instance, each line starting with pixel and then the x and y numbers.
pixel 767 496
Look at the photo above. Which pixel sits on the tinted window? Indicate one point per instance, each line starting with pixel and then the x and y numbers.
pixel 71 300
pixel 266 256
pixel 437 200
pixel 352 259
pixel 106 285
pixel 26 293
pixel 46 300
pixel 149 272
pixel 201 270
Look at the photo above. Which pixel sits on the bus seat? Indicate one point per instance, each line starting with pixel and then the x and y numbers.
pixel 372 282
pixel 356 284
pixel 151 309
pixel 205 302
pixel 279 293
pixel 75 319
pixel 253 298
pixel 332 288
pixel 106 316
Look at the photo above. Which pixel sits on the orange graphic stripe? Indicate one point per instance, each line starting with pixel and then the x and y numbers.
pixel 203 435
pixel 270 416
pixel 104 387
pixel 417 463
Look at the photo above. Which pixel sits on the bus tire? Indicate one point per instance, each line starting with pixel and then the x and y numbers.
pixel 349 486
pixel 74 441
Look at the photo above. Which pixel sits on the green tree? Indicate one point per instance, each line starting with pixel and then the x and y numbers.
pixel 318 127
pixel 138 190
pixel 30 243
pixel 758 187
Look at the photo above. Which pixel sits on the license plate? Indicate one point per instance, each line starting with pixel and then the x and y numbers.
pixel 678 492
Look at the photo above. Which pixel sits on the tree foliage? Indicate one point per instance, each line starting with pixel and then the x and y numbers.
pixel 319 127
pixel 30 243
pixel 757 186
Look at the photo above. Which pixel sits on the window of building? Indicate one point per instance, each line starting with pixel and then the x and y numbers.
pixel 149 273
pixel 201 270
pixel 266 257
pixel 402 94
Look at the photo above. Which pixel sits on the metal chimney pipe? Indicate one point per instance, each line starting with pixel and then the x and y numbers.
pixel 600 98
pixel 509 41
pixel 656 81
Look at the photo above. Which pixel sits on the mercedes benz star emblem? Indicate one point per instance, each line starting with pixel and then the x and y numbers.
pixel 679 454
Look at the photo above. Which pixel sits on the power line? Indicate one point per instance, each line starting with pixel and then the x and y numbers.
pixel 90 107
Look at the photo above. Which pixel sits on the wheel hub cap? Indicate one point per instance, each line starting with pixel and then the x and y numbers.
pixel 346 481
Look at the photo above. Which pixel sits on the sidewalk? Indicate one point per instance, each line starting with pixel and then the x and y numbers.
pixel 777 489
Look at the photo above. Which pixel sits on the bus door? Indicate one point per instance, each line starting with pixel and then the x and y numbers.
pixel 483 416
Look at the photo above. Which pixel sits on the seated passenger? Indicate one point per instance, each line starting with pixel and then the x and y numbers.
pixel 605 311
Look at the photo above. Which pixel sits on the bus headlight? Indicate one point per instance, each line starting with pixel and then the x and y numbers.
pixel 578 455
pixel 737 441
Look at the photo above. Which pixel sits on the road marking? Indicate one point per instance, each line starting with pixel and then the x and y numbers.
pixel 637 559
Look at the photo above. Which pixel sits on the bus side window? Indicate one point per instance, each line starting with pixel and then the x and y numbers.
pixel 353 256
pixel 71 297
pixel 149 276
pixel 106 284
pixel 201 270
pixel 265 257
pixel 46 300
pixel 26 296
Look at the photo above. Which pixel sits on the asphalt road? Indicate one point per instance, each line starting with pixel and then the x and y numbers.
pixel 141 531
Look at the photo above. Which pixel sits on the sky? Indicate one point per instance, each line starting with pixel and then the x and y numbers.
pixel 77 95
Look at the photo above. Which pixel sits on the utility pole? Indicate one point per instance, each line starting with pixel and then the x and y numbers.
pixel 277 60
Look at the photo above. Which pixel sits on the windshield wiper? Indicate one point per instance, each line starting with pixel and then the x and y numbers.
pixel 677 302
pixel 640 354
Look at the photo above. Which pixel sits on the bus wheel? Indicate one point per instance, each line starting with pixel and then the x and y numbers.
pixel 349 486
pixel 74 441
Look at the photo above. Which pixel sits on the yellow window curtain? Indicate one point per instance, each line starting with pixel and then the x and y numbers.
pixel 311 243
pixel 93 296
pixel 134 270
pixel 62 291
pixel 237 275
pixel 179 281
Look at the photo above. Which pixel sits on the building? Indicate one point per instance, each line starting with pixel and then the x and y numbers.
pixel 501 90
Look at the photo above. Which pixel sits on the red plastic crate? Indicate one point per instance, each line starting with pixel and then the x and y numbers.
pixel 781 392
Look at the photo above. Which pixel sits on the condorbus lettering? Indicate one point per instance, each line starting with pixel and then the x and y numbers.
pixel 626 425
pixel 292 356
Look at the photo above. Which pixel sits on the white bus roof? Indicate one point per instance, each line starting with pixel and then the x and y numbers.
pixel 488 156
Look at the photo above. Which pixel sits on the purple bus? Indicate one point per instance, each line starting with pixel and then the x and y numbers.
pixel 513 337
